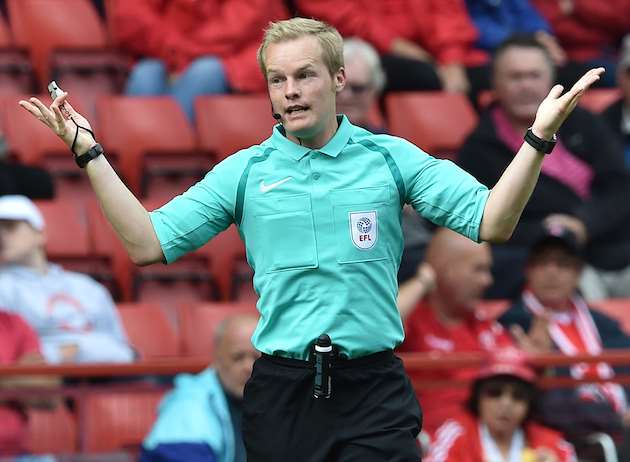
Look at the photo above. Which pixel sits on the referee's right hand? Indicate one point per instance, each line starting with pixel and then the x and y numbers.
pixel 58 118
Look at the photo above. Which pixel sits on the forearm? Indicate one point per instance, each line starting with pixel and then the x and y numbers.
pixel 409 294
pixel 127 215
pixel 510 195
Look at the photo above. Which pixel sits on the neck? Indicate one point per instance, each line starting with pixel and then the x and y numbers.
pixel 37 262
pixel 503 440
pixel 518 124
pixel 320 139
pixel 444 312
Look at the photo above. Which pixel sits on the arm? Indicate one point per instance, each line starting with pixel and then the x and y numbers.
pixel 126 214
pixel 415 289
pixel 508 197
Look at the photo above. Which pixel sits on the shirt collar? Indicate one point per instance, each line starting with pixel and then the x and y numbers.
pixel 334 146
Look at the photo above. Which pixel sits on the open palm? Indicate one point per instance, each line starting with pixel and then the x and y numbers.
pixel 62 119
pixel 556 107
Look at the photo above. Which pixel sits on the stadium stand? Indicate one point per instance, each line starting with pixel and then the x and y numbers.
pixel 149 330
pixel 437 122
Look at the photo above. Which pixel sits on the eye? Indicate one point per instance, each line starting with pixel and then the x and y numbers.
pixel 275 80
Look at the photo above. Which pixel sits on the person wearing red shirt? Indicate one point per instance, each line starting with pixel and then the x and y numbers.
pixel 589 31
pixel 193 47
pixel 498 423
pixel 18 345
pixel 446 320
pixel 426 45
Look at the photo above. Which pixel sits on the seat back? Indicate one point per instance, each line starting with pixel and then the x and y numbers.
pixel 118 420
pixel 598 99
pixel 52 431
pixel 139 128
pixel 228 123
pixel 149 330
pixel 616 308
pixel 198 323
pixel 42 27
pixel 437 122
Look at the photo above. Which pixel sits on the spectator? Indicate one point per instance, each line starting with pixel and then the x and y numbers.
pixel 588 31
pixel 19 345
pixel 26 180
pixel 551 299
pixel 497 21
pixel 426 45
pixel 200 420
pixel 498 423
pixel 364 84
pixel 582 185
pixel 618 114
pixel 74 316
pixel 193 48
pixel 445 321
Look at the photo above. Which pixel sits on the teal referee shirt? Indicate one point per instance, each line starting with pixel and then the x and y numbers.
pixel 322 229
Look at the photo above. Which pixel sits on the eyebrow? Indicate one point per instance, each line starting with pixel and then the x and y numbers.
pixel 300 69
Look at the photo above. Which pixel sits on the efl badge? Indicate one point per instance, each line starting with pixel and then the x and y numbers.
pixel 363 229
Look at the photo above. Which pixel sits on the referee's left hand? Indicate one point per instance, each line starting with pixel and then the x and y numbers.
pixel 556 107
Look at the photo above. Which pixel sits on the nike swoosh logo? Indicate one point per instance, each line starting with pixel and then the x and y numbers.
pixel 268 187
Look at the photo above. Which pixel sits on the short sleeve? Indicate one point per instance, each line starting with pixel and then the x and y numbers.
pixel 190 220
pixel 441 191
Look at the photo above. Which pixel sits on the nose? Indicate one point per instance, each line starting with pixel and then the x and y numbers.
pixel 291 89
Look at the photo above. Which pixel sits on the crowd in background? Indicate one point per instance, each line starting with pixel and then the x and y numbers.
pixel 570 249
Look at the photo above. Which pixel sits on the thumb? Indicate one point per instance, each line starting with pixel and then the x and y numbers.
pixel 555 92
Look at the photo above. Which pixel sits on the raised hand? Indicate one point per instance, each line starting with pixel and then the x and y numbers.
pixel 62 119
pixel 556 107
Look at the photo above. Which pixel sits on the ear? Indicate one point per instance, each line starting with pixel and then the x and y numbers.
pixel 340 79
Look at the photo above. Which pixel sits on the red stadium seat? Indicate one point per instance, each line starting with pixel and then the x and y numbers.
pixel 197 324
pixel 118 421
pixel 52 432
pixel 228 123
pixel 616 308
pixel 46 27
pixel 153 139
pixel 112 264
pixel 66 230
pixel 149 330
pixel 598 99
pixel 228 265
pixel 437 122
pixel 16 73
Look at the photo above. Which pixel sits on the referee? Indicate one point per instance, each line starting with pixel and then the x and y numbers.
pixel 318 205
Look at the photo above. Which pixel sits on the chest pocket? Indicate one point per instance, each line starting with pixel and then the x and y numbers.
pixel 285 231
pixel 361 221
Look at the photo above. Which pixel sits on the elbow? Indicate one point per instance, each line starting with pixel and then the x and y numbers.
pixel 144 258
pixel 496 235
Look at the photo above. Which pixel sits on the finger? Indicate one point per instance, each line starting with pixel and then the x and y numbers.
pixel 585 82
pixel 34 110
pixel 46 113
pixel 66 104
pixel 555 92
pixel 59 118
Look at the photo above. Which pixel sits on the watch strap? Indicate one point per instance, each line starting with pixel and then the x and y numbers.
pixel 538 143
pixel 92 153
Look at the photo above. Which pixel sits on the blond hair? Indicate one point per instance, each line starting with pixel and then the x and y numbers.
pixel 291 29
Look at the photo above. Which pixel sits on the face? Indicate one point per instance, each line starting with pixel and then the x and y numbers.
pixel 503 405
pixel 19 242
pixel 553 276
pixel 465 280
pixel 302 90
pixel 235 356
pixel 522 79
pixel 359 94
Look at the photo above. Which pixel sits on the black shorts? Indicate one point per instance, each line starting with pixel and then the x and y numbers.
pixel 373 414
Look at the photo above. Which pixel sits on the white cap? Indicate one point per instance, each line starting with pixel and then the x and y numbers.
pixel 21 208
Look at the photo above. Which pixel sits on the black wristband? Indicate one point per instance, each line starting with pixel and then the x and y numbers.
pixel 538 143
pixel 92 153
